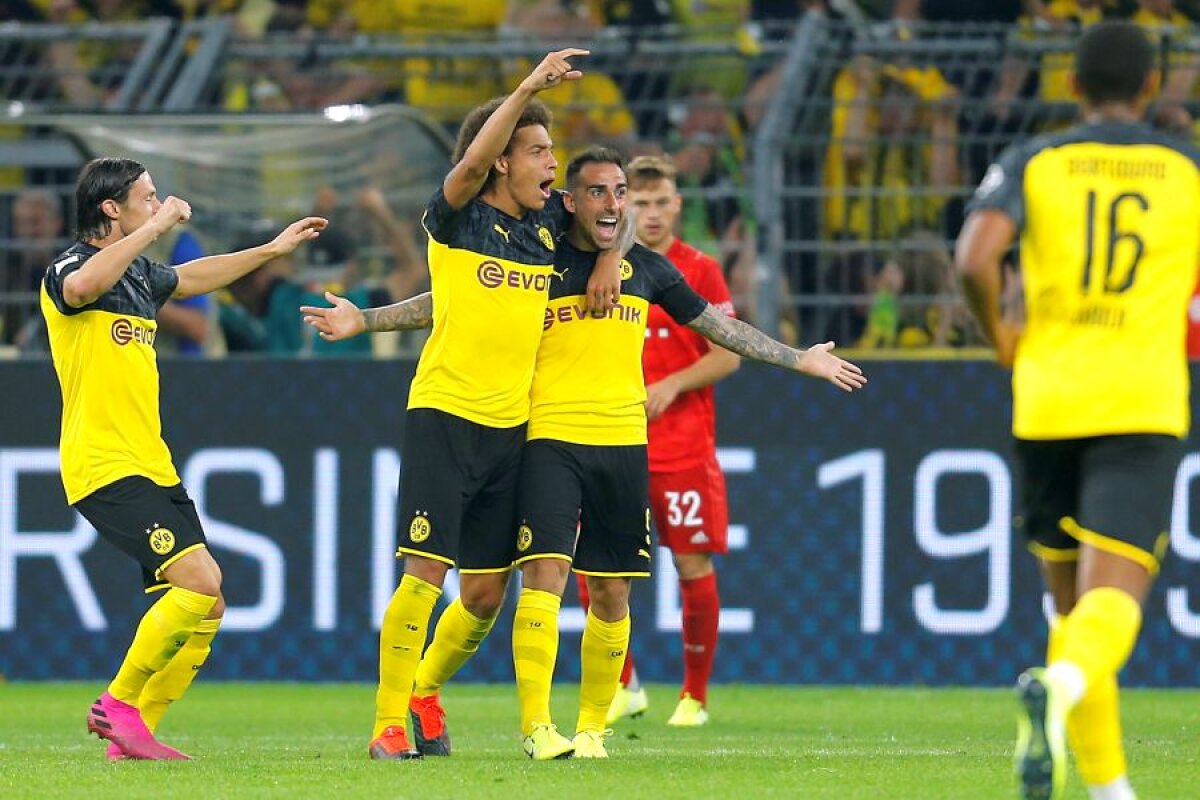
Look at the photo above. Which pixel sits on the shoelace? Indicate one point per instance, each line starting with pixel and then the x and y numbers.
pixel 601 735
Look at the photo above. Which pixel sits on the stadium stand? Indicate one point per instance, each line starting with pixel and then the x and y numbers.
pixel 824 153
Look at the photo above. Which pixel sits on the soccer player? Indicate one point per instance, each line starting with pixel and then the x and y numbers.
pixel 99 299
pixel 687 488
pixel 1108 216
pixel 492 228
pixel 584 469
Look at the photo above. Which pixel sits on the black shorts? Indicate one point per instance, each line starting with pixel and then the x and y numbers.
pixel 600 493
pixel 1112 492
pixel 458 490
pixel 155 525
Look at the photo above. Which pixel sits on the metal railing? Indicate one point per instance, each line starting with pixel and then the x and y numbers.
pixel 56 67
pixel 827 166
pixel 862 198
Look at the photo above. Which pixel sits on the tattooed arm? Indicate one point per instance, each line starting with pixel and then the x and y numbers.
pixel 411 314
pixel 750 342
pixel 345 319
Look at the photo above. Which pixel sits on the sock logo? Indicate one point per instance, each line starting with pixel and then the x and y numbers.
pixel 524 538
pixel 162 540
pixel 419 529
pixel 614 654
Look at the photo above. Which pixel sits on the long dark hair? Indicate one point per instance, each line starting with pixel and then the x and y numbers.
pixel 102 179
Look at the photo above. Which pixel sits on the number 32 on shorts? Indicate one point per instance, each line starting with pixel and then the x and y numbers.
pixel 683 508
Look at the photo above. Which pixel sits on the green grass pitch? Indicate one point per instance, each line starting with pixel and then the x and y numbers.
pixel 309 740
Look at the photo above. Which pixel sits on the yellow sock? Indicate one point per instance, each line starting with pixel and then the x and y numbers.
pixel 1098 637
pixel 401 638
pixel 1099 634
pixel 1094 730
pixel 164 629
pixel 455 639
pixel 1054 640
pixel 168 684
pixel 535 649
pixel 602 653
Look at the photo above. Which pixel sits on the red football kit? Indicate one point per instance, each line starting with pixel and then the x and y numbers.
pixel 687 489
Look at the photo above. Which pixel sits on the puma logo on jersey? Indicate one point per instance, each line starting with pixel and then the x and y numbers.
pixel 501 231
pixel 560 275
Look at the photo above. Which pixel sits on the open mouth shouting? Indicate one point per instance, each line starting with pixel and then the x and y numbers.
pixel 606 227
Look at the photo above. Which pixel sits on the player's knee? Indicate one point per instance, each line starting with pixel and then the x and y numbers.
pixel 546 574
pixel 218 609
pixel 206 583
pixel 692 565
pixel 209 579
pixel 483 603
pixel 196 572
pixel 483 595
pixel 427 569
pixel 609 598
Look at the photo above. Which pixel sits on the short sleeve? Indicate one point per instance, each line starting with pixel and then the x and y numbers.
pixel 62 266
pixel 441 219
pixel 1003 186
pixel 163 282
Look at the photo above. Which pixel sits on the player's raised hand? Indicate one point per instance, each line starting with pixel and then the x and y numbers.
pixel 300 231
pixel 342 321
pixel 820 363
pixel 554 69
pixel 172 212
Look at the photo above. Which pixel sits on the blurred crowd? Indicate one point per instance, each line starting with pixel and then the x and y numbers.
pixel 894 151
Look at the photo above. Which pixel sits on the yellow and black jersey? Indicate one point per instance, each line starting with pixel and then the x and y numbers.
pixel 490 273
pixel 1109 219
pixel 104 356
pixel 588 386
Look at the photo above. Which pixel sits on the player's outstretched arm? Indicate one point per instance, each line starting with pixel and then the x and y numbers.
pixel 102 271
pixel 985 238
pixel 345 319
pixel 214 272
pixel 748 341
pixel 468 176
